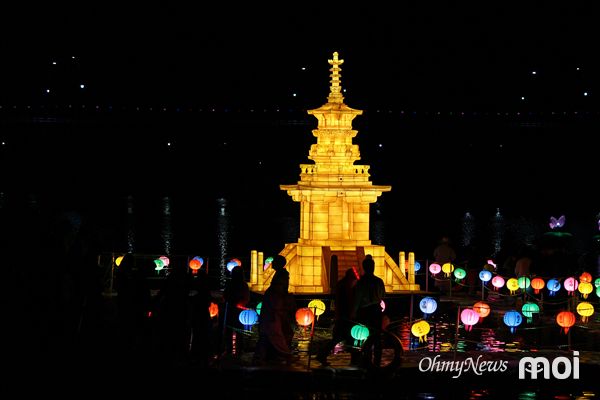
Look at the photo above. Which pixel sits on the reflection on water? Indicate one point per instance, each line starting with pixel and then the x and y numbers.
pixel 166 233
pixel 222 239
pixel 130 226
pixel 497 233
pixel 467 229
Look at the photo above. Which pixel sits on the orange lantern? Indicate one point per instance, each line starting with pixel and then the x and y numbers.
pixel 304 316
pixel 537 284
pixel 585 277
pixel 213 310
pixel 565 319
pixel 482 308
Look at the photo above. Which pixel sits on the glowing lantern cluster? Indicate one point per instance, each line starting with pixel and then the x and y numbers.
pixel 359 333
pixel 565 320
pixel 447 269
pixel 585 309
pixel 420 329
pixel 537 284
pixel 304 316
pixel 248 318
pixel 428 305
pixel 234 262
pixel 469 317
pixel 435 268
pixel 512 319
pixel 529 309
pixel 482 308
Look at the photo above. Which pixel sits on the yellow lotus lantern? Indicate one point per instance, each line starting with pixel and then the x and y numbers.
pixel 420 329
pixel 513 285
pixel 585 309
pixel 447 269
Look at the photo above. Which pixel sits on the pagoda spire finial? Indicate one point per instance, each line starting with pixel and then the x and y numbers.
pixel 335 91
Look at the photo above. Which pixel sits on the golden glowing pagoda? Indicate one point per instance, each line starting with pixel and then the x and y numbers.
pixel 335 197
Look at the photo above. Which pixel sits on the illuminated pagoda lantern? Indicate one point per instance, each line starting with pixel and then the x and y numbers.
pixel 335 195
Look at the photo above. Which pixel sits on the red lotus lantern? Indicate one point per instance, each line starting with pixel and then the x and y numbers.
pixel 537 284
pixel 195 264
pixel 565 319
pixel 304 316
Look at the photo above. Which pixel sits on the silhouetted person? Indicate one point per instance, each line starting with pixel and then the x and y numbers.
pixel 133 304
pixel 277 320
pixel 200 319
pixel 236 296
pixel 344 315
pixel 370 291
pixel 172 315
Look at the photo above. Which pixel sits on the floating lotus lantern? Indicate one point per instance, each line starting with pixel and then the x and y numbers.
pixel 553 286
pixel 485 276
pixel 304 316
pixel 317 306
pixel 420 329
pixel 571 285
pixel 447 269
pixel 524 282
pixel 537 284
pixel 382 305
pixel 118 261
pixel 359 333
pixel 585 277
pixel 234 262
pixel 428 305
pixel 258 307
pixel 585 288
pixel 248 318
pixel 597 282
pixel 497 282
pixel 460 274
pixel 213 310
pixel 513 285
pixel 585 309
pixel 195 264
pixel 529 309
pixel 435 268
pixel 482 308
pixel 565 320
pixel 512 319
pixel 417 266
pixel 469 317
pixel 165 260
pixel 268 262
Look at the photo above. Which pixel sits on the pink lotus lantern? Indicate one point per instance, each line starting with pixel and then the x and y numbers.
pixel 571 285
pixel 469 317
pixel 497 282
pixel 435 268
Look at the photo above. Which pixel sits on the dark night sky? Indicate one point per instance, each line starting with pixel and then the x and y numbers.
pixel 420 58
pixel 413 56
